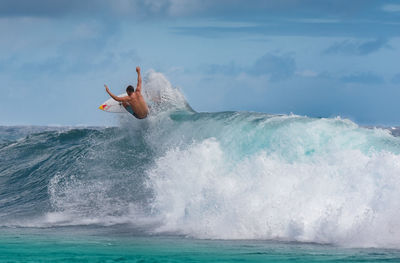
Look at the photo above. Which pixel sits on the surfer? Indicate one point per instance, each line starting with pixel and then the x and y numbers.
pixel 134 102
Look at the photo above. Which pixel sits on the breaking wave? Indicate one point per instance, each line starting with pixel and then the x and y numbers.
pixel 224 175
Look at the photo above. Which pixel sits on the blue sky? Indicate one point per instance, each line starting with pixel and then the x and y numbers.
pixel 309 57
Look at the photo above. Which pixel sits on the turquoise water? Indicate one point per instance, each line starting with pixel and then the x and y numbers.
pixel 74 245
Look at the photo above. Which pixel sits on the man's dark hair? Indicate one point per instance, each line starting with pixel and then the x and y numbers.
pixel 130 89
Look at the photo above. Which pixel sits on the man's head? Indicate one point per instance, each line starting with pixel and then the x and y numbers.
pixel 130 90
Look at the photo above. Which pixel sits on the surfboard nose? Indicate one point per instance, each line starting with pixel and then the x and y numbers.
pixel 102 106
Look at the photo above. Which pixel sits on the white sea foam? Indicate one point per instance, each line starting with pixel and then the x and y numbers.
pixel 160 93
pixel 345 197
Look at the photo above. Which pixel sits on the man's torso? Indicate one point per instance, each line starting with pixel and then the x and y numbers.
pixel 138 105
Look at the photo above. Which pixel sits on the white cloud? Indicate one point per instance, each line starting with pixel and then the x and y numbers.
pixel 183 7
pixel 172 8
pixel 222 24
pixel 87 30
pixel 391 8
pixel 154 6
pixel 307 73
pixel 124 6
pixel 316 20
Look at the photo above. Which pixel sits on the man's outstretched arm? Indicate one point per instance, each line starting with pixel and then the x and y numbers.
pixel 139 80
pixel 123 99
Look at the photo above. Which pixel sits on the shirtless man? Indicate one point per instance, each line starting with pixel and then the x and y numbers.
pixel 134 101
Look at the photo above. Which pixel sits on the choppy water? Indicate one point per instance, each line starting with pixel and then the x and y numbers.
pixel 188 175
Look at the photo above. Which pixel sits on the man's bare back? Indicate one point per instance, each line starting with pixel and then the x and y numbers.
pixel 134 100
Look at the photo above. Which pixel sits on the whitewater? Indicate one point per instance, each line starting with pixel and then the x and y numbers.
pixel 222 175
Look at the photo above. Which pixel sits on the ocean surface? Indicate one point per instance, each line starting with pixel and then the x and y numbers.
pixel 183 186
